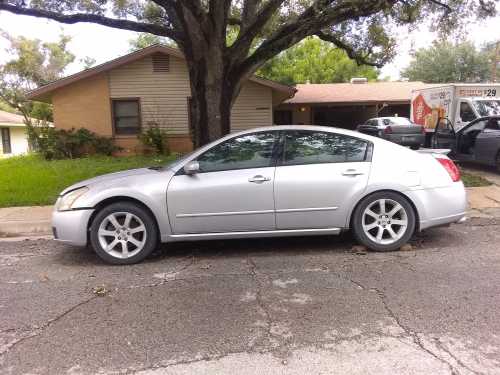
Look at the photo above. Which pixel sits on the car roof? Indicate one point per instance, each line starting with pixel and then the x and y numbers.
pixel 330 129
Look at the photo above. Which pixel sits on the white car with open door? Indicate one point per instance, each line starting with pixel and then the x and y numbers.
pixel 274 181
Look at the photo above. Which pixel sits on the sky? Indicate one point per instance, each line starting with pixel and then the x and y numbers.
pixel 103 43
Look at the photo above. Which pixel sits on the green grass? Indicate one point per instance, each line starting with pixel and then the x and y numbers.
pixel 473 180
pixel 30 180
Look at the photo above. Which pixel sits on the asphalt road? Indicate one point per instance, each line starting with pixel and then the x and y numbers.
pixel 273 306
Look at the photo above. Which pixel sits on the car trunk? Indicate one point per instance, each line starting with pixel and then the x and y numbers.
pixel 406 129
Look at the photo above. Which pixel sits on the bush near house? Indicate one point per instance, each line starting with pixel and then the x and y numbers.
pixel 54 143
pixel 32 180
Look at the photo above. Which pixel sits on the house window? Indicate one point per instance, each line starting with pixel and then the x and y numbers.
pixel 126 116
pixel 283 117
pixel 6 145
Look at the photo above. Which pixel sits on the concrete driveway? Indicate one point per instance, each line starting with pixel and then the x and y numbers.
pixel 280 306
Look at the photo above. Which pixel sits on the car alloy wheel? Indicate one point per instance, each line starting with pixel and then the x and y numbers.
pixel 385 221
pixel 122 234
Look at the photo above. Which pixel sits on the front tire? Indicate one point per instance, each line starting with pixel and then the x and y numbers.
pixel 123 233
pixel 383 221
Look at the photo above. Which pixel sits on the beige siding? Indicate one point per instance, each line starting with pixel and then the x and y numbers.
pixel 164 96
pixel 253 107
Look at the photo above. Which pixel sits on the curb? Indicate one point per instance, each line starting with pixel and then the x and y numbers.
pixel 25 228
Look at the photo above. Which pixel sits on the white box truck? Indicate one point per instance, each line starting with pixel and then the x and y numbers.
pixel 458 102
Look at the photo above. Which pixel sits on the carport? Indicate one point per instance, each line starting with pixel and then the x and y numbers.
pixel 346 105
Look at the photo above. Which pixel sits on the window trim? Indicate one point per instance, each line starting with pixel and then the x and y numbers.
pixel 272 163
pixel 280 159
pixel 113 117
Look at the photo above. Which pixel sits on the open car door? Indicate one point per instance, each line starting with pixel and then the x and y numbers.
pixel 445 136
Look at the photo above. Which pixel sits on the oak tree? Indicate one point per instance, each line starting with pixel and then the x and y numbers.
pixel 218 65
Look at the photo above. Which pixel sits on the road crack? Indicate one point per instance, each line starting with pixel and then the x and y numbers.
pixel 414 336
pixel 282 346
pixel 38 331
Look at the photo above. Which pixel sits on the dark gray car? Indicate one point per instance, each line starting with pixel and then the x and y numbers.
pixel 399 130
pixel 478 141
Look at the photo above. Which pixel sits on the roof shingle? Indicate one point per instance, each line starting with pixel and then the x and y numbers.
pixel 355 92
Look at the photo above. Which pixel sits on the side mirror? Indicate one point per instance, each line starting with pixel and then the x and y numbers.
pixel 192 167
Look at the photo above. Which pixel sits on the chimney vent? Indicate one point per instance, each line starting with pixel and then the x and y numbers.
pixel 359 80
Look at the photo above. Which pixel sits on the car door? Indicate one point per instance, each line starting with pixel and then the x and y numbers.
pixel 488 141
pixel 318 176
pixel 233 190
pixel 445 136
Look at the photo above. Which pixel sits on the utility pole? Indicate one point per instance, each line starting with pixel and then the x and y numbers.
pixel 496 60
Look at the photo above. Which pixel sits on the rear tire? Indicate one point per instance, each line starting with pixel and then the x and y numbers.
pixel 123 233
pixel 383 221
pixel 415 147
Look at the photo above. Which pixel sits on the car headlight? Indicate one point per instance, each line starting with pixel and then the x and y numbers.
pixel 66 202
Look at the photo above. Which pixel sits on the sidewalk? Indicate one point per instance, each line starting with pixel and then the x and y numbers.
pixel 33 221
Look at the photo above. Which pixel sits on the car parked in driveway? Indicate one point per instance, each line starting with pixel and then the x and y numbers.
pixel 265 182
pixel 478 141
pixel 399 130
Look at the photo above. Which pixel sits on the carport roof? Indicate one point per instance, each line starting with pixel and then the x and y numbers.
pixel 11 119
pixel 352 93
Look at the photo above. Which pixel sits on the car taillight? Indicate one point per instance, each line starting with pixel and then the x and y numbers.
pixel 451 168
pixel 388 130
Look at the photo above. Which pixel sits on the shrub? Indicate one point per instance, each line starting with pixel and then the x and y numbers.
pixel 155 138
pixel 54 143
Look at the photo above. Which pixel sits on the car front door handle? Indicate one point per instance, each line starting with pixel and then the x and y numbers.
pixel 259 179
pixel 352 172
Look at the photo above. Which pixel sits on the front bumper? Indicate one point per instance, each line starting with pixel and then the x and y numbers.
pixel 70 227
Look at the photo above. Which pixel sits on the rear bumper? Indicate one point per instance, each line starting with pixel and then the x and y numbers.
pixel 70 227
pixel 406 139
pixel 440 206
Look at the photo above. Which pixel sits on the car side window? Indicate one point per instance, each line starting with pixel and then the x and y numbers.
pixel 493 124
pixel 475 128
pixel 247 151
pixel 466 113
pixel 307 147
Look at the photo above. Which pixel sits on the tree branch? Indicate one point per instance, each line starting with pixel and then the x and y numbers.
pixel 315 18
pixel 92 18
pixel 446 6
pixel 253 26
pixel 351 52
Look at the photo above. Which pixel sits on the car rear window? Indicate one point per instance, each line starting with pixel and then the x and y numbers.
pixel 307 147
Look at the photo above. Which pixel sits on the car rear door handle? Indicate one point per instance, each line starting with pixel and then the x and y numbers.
pixel 351 172
pixel 259 179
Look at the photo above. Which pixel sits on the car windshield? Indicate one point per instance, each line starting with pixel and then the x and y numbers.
pixel 487 107
pixel 397 121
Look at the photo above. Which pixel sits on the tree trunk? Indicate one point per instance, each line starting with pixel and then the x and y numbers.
pixel 213 92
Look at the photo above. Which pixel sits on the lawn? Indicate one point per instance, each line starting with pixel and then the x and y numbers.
pixel 30 180
pixel 473 180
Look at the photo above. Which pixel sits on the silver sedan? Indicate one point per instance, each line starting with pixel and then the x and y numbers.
pixel 266 182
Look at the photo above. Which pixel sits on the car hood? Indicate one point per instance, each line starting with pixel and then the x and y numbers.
pixel 110 177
